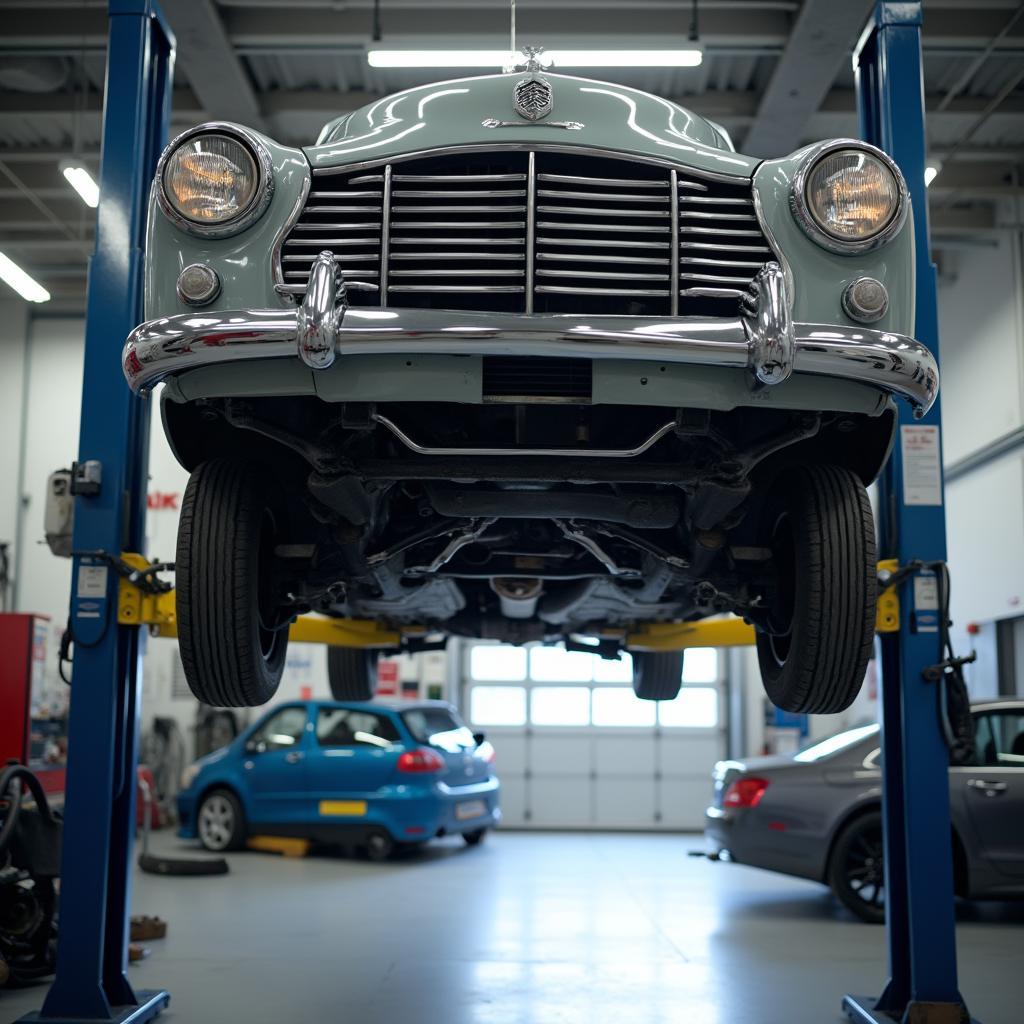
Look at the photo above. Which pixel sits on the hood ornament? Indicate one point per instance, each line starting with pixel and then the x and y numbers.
pixel 533 97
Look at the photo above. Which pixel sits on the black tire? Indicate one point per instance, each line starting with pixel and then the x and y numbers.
pixel 474 838
pixel 352 672
pixel 657 675
pixel 814 653
pixel 220 821
pixel 856 870
pixel 378 845
pixel 231 638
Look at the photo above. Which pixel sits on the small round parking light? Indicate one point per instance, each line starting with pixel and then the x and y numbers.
pixel 198 284
pixel 865 300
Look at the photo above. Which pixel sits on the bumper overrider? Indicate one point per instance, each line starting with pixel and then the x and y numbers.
pixel 763 339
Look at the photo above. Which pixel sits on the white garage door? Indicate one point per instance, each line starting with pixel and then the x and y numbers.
pixel 576 749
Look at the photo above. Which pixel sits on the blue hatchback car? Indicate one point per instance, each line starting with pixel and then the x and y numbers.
pixel 376 774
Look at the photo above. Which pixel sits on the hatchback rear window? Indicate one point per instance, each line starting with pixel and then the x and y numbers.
pixel 438 727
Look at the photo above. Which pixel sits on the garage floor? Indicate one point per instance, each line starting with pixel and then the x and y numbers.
pixel 529 929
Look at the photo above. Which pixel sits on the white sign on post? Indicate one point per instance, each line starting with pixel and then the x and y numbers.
pixel 922 469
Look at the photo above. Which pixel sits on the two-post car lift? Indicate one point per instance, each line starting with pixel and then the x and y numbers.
pixel 91 981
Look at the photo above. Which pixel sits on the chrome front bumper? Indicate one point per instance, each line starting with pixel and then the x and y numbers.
pixel 764 339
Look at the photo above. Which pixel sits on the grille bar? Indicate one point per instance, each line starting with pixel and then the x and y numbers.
pixel 537 231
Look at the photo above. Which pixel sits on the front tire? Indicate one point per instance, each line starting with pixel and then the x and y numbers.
pixel 352 672
pixel 220 821
pixel 814 649
pixel 230 631
pixel 657 675
pixel 857 868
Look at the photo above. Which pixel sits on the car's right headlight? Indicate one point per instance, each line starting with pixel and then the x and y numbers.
pixel 215 180
pixel 188 775
pixel 849 197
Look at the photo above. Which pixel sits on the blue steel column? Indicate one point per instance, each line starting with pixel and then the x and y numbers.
pixel 91 983
pixel 919 869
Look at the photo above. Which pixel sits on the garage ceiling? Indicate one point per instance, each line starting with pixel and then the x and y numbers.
pixel 776 73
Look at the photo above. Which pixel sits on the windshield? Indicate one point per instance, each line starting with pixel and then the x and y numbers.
pixel 440 728
pixel 833 744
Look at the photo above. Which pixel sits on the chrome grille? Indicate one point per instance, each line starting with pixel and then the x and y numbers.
pixel 541 232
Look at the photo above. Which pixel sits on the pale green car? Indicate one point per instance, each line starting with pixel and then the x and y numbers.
pixel 527 357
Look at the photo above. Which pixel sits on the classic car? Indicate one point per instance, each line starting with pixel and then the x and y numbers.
pixel 528 357
pixel 817 814
pixel 378 775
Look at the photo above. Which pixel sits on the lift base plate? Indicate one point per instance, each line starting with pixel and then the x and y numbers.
pixel 150 1004
pixel 861 1010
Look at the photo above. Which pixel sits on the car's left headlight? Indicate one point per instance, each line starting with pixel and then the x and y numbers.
pixel 848 196
pixel 188 775
pixel 215 180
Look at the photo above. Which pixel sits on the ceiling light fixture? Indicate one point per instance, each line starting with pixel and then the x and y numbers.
pixel 930 172
pixel 79 178
pixel 690 57
pixel 24 284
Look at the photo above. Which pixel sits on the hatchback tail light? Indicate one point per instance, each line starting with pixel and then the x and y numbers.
pixel 421 761
pixel 745 792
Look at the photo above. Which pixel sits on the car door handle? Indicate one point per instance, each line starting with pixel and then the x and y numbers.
pixel 293 757
pixel 987 786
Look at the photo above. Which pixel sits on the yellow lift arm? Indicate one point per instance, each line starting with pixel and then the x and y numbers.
pixel 136 607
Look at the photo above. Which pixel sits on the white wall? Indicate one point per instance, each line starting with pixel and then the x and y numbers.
pixel 981 325
pixel 13 344
pixel 982 346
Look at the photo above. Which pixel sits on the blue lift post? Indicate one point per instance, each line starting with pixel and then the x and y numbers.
pixel 91 981
pixel 920 917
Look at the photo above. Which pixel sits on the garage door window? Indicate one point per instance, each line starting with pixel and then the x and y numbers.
pixel 696 707
pixel 700 665
pixel 498 705
pixel 560 705
pixel 619 706
pixel 557 665
pixel 498 663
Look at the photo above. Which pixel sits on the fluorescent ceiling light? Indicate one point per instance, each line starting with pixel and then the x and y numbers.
pixel 687 58
pixel 27 287
pixel 929 174
pixel 691 57
pixel 83 183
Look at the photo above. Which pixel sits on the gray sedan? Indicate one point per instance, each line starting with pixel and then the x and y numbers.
pixel 817 814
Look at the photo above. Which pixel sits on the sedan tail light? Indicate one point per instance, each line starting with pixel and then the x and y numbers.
pixel 745 792
pixel 421 761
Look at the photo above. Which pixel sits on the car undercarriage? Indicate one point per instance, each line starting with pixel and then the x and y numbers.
pixel 522 522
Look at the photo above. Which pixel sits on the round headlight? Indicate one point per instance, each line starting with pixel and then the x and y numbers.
pixel 214 182
pixel 849 198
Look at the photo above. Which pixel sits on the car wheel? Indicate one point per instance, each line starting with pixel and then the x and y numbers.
pixel 813 649
pixel 220 821
pixel 378 845
pixel 352 672
pixel 857 868
pixel 231 633
pixel 474 838
pixel 657 675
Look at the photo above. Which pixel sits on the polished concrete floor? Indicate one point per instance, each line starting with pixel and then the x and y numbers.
pixel 529 929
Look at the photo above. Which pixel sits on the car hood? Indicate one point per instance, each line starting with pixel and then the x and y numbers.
pixel 603 118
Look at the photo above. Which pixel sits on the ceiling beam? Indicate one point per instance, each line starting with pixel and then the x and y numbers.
pixel 820 42
pixel 210 64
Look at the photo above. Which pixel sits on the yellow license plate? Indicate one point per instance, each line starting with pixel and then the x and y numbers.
pixel 342 808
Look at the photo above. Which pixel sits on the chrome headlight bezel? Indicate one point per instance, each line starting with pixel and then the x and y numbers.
pixel 815 231
pixel 257 204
